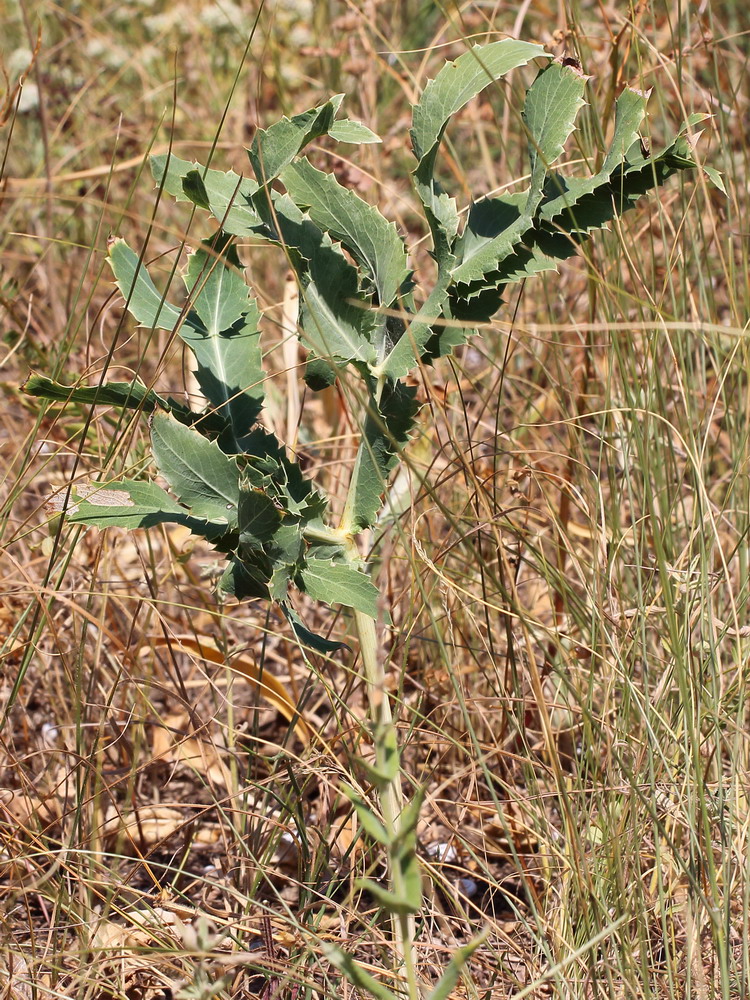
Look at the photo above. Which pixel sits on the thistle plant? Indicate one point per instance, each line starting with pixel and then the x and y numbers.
pixel 233 482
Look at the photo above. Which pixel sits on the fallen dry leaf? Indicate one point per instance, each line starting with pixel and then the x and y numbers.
pixel 15 978
pixel 145 826
pixel 200 755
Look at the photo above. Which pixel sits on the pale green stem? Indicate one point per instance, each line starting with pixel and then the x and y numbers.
pixel 391 796
pixel 324 536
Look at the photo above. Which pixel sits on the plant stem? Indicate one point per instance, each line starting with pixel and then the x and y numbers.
pixel 390 791
pixel 391 794
pixel 324 535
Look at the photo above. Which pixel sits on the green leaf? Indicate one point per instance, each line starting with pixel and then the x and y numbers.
pixel 454 86
pixel 715 177
pixel 132 504
pixel 386 431
pixel 275 147
pixel 358 226
pixel 409 818
pixel 141 295
pixel 331 325
pixel 629 182
pixel 488 255
pixel 347 130
pixel 354 972
pixel 410 878
pixel 307 637
pixel 195 188
pixel 493 228
pixel 552 104
pixel 258 518
pixel 319 374
pixel 336 321
pixel 286 554
pixel 269 469
pixel 479 300
pixel 367 818
pixel 228 196
pixel 459 958
pixel 550 109
pixel 401 356
pixel 390 902
pixel 244 580
pixel 630 111
pixel 221 328
pixel 407 875
pixel 390 760
pixel 200 474
pixel 222 332
pixel 570 209
pixel 339 583
pixel 458 82
pixel 125 504
pixel 133 395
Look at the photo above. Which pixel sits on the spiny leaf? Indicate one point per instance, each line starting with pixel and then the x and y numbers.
pixel 400 357
pixel 550 109
pixel 629 182
pixel 489 219
pixel 130 395
pixel 130 504
pixel 244 580
pixel 319 374
pixel 480 299
pixel 358 226
pixel 258 517
pixel 222 332
pixel 221 328
pixel 331 325
pixel 286 552
pixel 195 188
pixel 458 82
pixel 141 295
pixel 339 583
pixel 385 432
pixel 336 321
pixel 228 195
pixel 273 148
pixel 200 474
pixel 133 395
pixel 552 104
pixel 630 111
pixel 454 86
pixel 268 468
